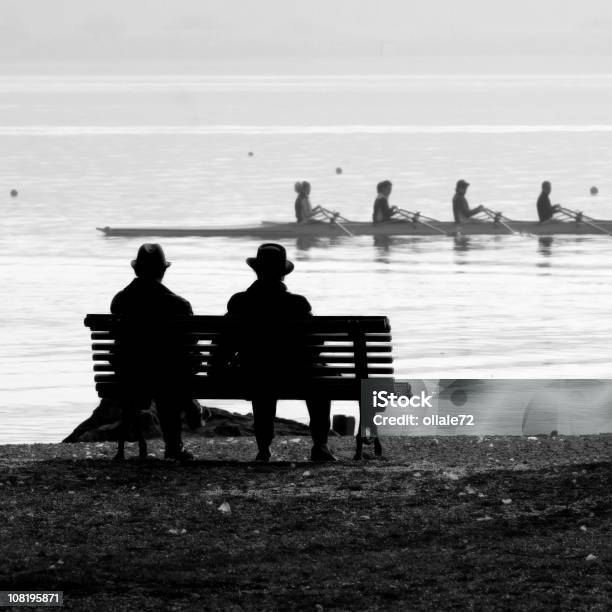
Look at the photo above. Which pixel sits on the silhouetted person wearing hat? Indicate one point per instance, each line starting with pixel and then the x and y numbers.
pixel 461 209
pixel 545 209
pixel 267 351
pixel 153 358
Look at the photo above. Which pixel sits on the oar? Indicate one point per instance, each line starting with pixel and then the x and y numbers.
pixel 338 216
pixel 333 218
pixel 419 215
pixel 498 217
pixel 580 217
pixel 325 213
pixel 416 217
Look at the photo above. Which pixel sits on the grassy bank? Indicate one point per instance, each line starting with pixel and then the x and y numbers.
pixel 467 523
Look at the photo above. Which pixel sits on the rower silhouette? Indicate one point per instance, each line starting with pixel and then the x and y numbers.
pixel 461 209
pixel 383 211
pixel 304 212
pixel 546 210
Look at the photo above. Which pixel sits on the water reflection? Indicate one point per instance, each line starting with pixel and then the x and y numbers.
pixel 305 243
pixel 462 244
pixel 415 243
pixel 383 243
pixel 564 245
pixel 544 248
pixel 544 245
pixel 498 242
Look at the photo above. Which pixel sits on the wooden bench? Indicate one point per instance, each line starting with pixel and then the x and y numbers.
pixel 347 349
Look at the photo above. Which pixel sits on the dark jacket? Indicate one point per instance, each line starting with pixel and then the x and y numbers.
pixel 382 210
pixel 461 208
pixel 265 345
pixel 149 352
pixel 545 208
pixel 144 298
pixel 303 208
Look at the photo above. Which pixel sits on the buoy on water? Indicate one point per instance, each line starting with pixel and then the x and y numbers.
pixel 14 193
pixel 594 191
pixel 250 153
pixel 338 170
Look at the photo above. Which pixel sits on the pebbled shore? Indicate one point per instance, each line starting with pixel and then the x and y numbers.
pixel 451 522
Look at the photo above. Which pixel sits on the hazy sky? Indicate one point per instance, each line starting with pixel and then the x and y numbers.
pixel 40 30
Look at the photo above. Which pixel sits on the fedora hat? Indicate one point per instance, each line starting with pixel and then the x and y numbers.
pixel 150 257
pixel 271 257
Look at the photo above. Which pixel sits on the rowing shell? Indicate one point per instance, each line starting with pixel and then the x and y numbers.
pixel 269 229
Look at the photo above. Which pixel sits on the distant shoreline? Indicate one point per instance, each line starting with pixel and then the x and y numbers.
pixel 358 66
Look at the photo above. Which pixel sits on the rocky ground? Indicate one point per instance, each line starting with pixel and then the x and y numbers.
pixel 447 523
pixel 103 424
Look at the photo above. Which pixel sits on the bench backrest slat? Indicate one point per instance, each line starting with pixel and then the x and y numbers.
pixel 213 323
pixel 344 349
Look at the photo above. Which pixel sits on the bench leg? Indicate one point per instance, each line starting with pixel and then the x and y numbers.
pixel 142 447
pixel 120 454
pixel 131 417
pixel 359 443
pixel 358 446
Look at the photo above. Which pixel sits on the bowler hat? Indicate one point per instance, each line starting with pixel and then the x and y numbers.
pixel 271 257
pixel 150 257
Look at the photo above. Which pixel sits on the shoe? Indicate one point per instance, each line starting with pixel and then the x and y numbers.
pixel 263 456
pixel 181 455
pixel 321 454
pixel 193 416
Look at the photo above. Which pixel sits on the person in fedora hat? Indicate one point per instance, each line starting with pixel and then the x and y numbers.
pixel 157 371
pixel 271 262
pixel 461 209
pixel 150 262
pixel 268 351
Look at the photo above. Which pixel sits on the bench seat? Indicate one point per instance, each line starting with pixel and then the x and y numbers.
pixel 345 351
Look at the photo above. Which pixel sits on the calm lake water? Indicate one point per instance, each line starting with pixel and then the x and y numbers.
pixel 94 151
